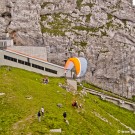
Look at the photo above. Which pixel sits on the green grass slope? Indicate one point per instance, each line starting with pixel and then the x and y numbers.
pixel 18 114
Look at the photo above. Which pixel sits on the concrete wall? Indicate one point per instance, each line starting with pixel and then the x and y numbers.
pixel 43 63
pixel 39 52
pixel 72 83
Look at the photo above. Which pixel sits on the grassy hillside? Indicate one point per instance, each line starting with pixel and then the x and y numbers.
pixel 18 113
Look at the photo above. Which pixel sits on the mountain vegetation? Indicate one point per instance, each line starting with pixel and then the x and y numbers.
pixel 100 30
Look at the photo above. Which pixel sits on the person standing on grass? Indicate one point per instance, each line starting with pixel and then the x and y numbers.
pixel 42 111
pixel 39 116
pixel 65 115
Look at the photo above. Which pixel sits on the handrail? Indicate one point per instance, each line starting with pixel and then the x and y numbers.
pixel 120 102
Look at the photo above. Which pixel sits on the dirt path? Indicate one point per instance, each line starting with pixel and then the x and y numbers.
pixel 19 126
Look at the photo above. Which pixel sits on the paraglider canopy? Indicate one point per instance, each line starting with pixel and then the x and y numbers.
pixel 79 63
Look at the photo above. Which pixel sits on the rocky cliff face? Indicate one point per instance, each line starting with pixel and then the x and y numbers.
pixel 21 19
pixel 100 30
